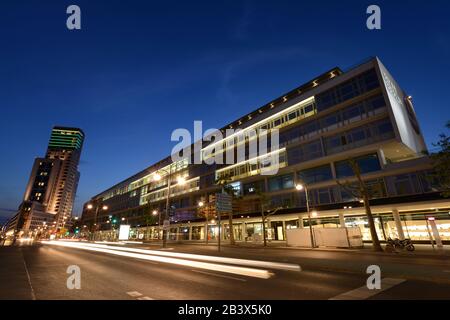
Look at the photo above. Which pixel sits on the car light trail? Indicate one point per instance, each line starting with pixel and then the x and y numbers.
pixel 243 262
pixel 107 242
pixel 244 271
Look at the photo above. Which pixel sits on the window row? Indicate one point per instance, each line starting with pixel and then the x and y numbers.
pixel 347 90
pixel 249 169
pixel 284 119
pixel 175 190
pixel 341 118
pixel 373 132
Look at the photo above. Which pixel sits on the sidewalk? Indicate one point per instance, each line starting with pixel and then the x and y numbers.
pixel 14 278
pixel 422 250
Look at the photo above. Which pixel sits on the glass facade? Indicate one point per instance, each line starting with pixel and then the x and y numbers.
pixel 352 88
pixel 317 174
pixel 366 164
pixel 317 137
pixel 281 182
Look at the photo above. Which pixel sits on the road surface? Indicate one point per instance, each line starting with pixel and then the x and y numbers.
pixel 40 272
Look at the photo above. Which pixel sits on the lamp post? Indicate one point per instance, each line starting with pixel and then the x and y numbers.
pixel 97 208
pixel 181 181
pixel 155 212
pixel 201 204
pixel 301 187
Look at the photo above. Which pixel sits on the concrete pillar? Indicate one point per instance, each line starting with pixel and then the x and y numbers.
pixel 398 224
pixel 244 232
pixel 177 236
pixel 300 222
pixel 284 230
pixel 436 235
pixel 341 219
pixel 190 232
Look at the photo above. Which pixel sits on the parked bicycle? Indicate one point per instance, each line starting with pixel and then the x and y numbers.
pixel 399 244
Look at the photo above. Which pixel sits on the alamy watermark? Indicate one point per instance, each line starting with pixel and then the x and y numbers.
pixel 230 146
pixel 374 280
pixel 73 21
pixel 74 280
pixel 374 20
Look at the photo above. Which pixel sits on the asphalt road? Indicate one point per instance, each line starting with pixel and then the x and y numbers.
pixel 39 272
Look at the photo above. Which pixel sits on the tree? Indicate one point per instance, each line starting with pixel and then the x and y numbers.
pixel 204 211
pixel 149 218
pixel 441 162
pixel 361 191
pixel 224 182
pixel 266 212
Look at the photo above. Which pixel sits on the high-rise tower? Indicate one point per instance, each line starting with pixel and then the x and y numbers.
pixel 50 193
pixel 65 145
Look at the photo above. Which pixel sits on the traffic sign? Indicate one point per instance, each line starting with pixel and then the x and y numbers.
pixel 224 203
pixel 166 224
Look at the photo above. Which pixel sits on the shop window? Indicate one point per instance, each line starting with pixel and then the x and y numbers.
pixel 198 233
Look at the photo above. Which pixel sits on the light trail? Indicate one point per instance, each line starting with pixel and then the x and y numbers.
pixel 107 242
pixel 244 271
pixel 235 261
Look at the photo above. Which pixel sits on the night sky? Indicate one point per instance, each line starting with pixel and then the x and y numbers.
pixel 140 69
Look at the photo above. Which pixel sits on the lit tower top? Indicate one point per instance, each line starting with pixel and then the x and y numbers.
pixel 66 138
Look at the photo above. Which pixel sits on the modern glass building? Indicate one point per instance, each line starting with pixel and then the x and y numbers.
pixel 360 114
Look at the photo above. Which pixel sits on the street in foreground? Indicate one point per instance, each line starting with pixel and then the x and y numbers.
pixel 39 271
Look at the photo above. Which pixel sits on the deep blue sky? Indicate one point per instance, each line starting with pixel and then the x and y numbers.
pixel 139 69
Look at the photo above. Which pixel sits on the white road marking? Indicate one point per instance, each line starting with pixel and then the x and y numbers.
pixel 145 298
pixel 33 296
pixel 218 275
pixel 363 292
pixel 134 294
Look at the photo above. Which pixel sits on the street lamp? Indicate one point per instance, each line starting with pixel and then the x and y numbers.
pixel 181 181
pixel 301 187
pixel 90 206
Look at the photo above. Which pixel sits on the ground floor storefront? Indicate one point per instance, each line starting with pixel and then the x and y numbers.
pixel 421 222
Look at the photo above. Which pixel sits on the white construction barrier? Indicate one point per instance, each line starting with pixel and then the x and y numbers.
pixel 299 237
pixel 325 237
